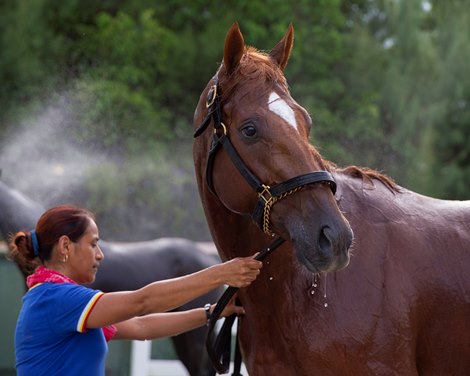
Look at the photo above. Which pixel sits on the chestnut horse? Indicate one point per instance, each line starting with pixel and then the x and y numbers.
pixel 401 306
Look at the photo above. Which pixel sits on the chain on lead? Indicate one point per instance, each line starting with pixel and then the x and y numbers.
pixel 268 205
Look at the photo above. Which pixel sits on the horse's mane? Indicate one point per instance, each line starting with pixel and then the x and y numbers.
pixel 368 175
pixel 255 67
pixel 363 173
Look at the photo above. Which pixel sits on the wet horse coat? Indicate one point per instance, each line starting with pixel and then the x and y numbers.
pixel 401 306
pixel 129 266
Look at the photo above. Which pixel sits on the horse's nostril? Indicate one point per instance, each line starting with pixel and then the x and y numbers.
pixel 324 241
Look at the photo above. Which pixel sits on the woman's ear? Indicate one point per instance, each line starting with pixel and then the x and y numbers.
pixel 64 244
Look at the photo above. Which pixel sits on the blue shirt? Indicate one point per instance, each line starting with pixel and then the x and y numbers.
pixel 51 338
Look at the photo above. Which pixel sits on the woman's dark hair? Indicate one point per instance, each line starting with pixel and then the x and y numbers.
pixel 58 221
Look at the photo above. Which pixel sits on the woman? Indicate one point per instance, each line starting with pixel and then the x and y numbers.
pixel 63 326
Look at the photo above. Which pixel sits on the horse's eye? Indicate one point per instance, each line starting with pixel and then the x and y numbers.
pixel 249 131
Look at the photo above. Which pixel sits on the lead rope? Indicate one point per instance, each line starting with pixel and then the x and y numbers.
pixel 220 347
pixel 237 361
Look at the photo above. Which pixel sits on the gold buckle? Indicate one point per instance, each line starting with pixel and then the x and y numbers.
pixel 224 128
pixel 212 93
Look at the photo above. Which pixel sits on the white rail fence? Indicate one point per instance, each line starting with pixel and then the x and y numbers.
pixel 142 363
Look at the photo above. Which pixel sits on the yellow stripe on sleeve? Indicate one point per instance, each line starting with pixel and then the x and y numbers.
pixel 81 326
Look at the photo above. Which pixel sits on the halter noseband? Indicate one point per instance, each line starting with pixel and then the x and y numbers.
pixel 267 195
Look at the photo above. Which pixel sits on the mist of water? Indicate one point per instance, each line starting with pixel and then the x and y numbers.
pixel 40 158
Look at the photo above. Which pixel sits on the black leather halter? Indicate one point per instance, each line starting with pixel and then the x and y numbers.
pixel 219 348
pixel 267 195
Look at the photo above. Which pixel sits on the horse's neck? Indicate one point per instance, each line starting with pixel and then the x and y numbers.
pixel 233 234
pixel 17 212
pixel 367 204
pixel 356 195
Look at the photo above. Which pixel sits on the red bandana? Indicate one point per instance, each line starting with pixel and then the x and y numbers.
pixel 42 274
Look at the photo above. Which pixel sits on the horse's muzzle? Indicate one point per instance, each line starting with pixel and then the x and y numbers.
pixel 326 252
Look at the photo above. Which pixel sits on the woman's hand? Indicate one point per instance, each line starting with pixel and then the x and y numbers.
pixel 230 309
pixel 240 271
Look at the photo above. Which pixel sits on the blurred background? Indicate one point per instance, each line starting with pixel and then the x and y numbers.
pixel 97 97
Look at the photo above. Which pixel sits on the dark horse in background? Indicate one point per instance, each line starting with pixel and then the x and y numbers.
pixel 401 306
pixel 129 266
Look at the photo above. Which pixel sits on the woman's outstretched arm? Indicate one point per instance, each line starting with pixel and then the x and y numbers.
pixel 165 295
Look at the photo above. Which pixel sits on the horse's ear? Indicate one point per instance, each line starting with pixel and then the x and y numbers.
pixel 281 52
pixel 234 48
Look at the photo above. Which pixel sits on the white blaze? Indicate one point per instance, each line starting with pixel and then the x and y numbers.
pixel 282 109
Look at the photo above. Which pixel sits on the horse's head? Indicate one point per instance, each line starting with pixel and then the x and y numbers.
pixel 261 162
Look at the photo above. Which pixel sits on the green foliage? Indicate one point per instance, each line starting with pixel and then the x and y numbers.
pixel 129 116
pixel 30 52
pixel 406 94
pixel 452 125
pixel 134 52
pixel 385 81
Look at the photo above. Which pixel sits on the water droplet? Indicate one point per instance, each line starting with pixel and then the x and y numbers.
pixel 324 294
pixel 312 292
pixel 314 285
pixel 271 278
